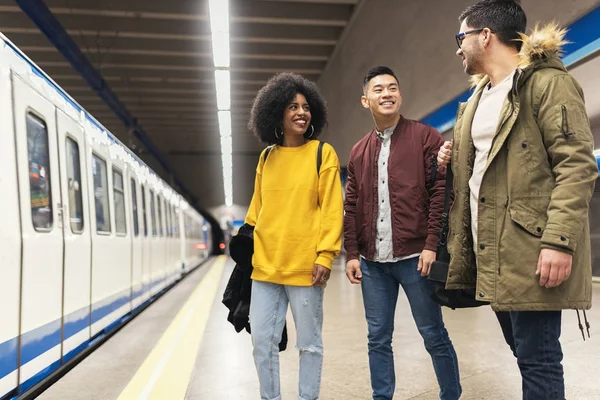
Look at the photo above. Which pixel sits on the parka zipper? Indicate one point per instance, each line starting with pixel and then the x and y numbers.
pixel 565 122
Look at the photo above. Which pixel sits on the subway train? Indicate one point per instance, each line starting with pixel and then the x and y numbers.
pixel 89 234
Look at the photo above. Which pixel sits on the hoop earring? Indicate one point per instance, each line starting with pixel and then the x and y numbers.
pixel 312 132
pixel 276 135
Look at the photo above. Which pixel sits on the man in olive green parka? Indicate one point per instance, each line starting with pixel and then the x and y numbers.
pixel 524 174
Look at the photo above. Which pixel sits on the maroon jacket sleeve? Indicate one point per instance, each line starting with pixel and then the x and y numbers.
pixel 433 141
pixel 350 240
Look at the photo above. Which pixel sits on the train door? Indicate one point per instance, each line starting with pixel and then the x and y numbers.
pixel 42 233
pixel 77 239
pixel 136 242
pixel 111 273
pixel 162 234
pixel 146 244
pixel 10 245
pixel 121 243
pixel 154 248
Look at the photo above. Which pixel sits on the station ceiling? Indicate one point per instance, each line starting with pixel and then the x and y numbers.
pixel 157 58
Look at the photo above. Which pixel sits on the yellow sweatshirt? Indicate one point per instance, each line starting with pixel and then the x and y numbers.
pixel 297 215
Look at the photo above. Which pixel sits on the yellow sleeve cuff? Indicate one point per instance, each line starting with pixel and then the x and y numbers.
pixel 325 259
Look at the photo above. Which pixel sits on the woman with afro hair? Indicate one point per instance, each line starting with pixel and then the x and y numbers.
pixel 297 214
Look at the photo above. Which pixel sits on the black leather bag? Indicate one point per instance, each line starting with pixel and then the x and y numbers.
pixel 438 273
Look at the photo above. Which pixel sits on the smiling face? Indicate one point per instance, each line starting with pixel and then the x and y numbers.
pixel 470 50
pixel 382 96
pixel 296 117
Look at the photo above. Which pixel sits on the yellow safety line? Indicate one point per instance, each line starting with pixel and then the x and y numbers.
pixel 166 372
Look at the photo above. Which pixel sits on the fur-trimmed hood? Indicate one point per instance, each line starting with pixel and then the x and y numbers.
pixel 540 45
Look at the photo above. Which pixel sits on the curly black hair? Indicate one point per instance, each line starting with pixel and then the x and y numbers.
pixel 269 105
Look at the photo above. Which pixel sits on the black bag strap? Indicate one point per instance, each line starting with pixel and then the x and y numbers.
pixel 448 191
pixel 443 239
pixel 319 156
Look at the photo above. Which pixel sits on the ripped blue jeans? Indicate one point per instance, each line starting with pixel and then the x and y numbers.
pixel 268 308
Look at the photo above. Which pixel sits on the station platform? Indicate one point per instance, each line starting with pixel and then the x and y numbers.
pixel 182 347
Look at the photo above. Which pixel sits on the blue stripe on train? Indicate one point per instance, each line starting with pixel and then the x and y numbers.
pixel 44 338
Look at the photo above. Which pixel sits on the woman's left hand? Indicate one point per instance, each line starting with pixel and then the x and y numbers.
pixel 320 275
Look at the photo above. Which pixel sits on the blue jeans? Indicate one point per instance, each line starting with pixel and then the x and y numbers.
pixel 533 337
pixel 380 286
pixel 268 307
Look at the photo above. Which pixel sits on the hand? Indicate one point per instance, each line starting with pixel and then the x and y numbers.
pixel 353 271
pixel 554 267
pixel 445 154
pixel 425 260
pixel 320 275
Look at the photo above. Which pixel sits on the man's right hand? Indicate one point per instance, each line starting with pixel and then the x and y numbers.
pixel 445 154
pixel 353 271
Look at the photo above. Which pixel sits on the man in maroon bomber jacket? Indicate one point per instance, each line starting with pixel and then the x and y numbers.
pixel 394 202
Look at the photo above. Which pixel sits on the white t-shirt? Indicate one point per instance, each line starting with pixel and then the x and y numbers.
pixel 483 130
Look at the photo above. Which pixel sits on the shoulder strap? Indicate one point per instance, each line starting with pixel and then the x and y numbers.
pixel 447 192
pixel 319 157
pixel 267 151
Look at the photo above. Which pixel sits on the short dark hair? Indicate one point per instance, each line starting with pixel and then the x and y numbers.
pixel 376 71
pixel 270 103
pixel 505 17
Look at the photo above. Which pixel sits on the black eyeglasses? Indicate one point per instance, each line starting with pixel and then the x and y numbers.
pixel 461 36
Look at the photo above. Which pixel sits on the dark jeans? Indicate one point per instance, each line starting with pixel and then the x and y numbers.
pixel 533 337
pixel 380 286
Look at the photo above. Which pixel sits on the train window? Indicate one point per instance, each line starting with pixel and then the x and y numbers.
pixel 168 218
pixel 166 213
pixel 176 224
pixel 74 186
pixel 119 199
pixel 134 208
pixel 153 213
pixel 144 213
pixel 174 221
pixel 39 173
pixel 160 220
pixel 101 194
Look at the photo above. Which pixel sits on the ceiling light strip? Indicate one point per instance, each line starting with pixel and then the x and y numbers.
pixel 219 26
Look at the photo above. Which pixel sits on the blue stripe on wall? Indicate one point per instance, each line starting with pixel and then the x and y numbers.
pixel 584 38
